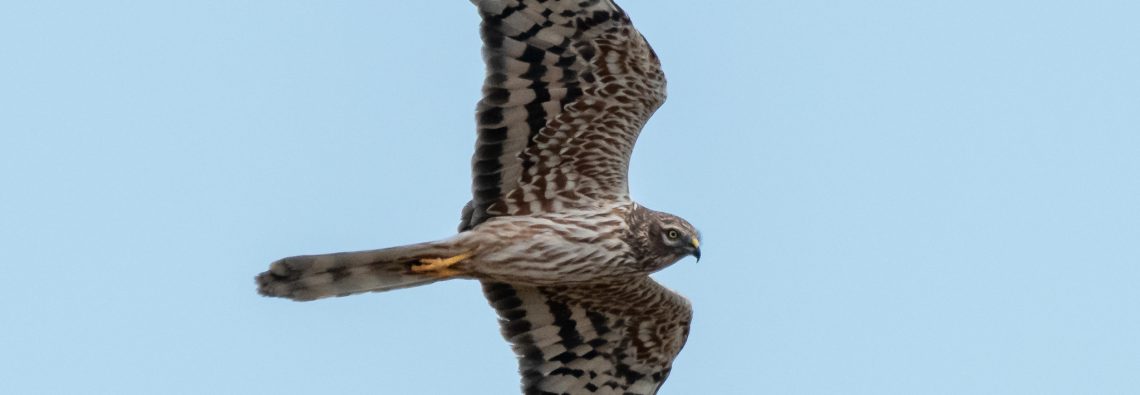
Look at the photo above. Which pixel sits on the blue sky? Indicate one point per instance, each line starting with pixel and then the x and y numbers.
pixel 896 197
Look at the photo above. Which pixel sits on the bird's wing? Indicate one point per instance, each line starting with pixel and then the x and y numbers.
pixel 569 86
pixel 618 338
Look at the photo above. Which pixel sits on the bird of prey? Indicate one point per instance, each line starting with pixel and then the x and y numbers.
pixel 563 253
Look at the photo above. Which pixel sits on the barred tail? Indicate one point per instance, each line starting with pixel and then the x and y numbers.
pixel 309 277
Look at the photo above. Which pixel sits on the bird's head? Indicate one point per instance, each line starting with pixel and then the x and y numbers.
pixel 666 238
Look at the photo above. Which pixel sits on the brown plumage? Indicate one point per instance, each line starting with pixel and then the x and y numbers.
pixel 563 253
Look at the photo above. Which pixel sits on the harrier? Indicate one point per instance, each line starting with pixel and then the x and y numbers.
pixel 563 253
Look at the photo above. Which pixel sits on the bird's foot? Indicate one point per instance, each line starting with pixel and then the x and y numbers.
pixel 440 266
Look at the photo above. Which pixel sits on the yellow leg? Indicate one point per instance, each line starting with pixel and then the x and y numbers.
pixel 440 265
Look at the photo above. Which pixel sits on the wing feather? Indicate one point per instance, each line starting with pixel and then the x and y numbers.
pixel 569 85
pixel 618 338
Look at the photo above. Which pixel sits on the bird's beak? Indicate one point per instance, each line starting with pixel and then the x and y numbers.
pixel 696 248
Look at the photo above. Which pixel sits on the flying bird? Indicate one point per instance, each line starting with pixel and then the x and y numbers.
pixel 563 253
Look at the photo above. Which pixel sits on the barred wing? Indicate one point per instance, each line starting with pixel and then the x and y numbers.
pixel 616 338
pixel 569 86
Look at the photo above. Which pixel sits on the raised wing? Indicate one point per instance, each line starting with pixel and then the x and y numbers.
pixel 600 339
pixel 569 86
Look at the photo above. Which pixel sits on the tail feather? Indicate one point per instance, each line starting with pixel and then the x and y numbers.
pixel 309 277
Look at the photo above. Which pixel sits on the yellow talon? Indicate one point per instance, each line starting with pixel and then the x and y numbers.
pixel 441 265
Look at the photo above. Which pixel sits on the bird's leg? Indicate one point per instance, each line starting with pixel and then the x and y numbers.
pixel 440 266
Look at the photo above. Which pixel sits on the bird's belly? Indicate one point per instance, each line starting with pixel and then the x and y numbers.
pixel 540 253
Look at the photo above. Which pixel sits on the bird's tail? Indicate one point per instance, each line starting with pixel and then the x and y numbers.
pixel 309 277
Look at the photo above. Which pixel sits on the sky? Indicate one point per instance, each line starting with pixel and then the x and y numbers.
pixel 896 197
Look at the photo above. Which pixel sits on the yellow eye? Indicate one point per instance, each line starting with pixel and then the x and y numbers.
pixel 672 234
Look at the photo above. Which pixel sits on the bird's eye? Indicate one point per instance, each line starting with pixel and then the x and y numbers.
pixel 672 234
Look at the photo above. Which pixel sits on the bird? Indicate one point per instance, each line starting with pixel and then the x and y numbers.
pixel 564 255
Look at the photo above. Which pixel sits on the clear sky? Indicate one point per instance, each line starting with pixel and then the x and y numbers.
pixel 896 197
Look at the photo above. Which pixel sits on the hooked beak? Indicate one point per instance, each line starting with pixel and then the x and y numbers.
pixel 696 248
